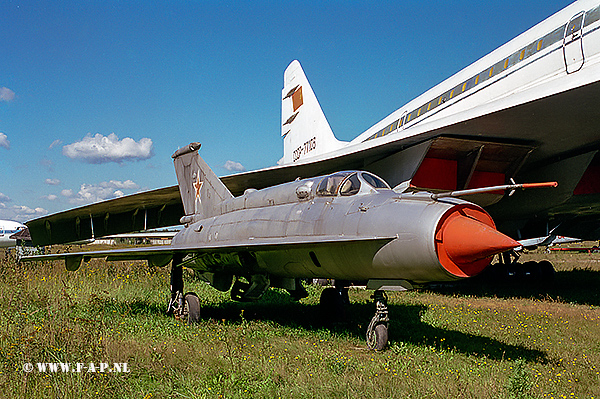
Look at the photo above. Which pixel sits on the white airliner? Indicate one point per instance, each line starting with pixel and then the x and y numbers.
pixel 529 110
pixel 7 229
pixel 556 56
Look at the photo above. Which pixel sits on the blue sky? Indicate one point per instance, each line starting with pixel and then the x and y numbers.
pixel 96 95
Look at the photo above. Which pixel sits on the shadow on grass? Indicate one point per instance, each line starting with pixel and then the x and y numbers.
pixel 578 286
pixel 406 323
pixel 408 327
pixel 109 306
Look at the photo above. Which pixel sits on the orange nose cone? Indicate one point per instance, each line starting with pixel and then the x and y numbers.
pixel 466 239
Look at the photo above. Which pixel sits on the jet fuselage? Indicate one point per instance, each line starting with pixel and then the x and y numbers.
pixel 360 228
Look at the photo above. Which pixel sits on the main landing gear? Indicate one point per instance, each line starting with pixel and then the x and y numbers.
pixel 333 303
pixel 185 307
pixel 509 269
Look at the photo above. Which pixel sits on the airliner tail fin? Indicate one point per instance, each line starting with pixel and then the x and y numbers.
pixel 305 130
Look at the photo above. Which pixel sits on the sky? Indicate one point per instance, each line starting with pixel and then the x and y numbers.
pixel 95 96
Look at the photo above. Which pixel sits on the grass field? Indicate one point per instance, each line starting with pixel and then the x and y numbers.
pixel 473 340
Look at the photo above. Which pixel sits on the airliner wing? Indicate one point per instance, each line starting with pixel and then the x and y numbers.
pixel 136 212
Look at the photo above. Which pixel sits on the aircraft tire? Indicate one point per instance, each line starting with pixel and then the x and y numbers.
pixel 547 271
pixel 532 271
pixel 191 308
pixel 378 338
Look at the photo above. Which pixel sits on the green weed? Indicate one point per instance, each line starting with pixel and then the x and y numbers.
pixel 519 384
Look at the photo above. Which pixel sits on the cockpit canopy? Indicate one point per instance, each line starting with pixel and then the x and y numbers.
pixel 350 183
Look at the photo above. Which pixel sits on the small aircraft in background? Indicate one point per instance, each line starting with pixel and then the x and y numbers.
pixel 8 228
pixel 348 226
pixel 547 241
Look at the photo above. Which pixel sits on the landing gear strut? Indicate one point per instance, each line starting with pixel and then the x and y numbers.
pixel 377 332
pixel 176 301
pixel 183 307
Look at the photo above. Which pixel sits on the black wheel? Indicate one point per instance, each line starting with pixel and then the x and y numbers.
pixel 191 308
pixel 332 305
pixel 547 271
pixel 500 273
pixel 377 338
pixel 513 271
pixel 532 271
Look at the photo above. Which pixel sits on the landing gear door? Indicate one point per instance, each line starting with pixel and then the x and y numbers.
pixel 573 43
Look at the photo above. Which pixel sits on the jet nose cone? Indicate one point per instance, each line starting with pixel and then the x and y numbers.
pixel 466 239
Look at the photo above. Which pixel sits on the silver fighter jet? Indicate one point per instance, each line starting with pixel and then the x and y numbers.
pixel 349 226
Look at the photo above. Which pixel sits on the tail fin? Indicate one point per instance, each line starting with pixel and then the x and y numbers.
pixel 201 190
pixel 305 130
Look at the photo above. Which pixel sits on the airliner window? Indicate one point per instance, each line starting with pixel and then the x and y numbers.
pixel 375 181
pixel 329 185
pixel 350 186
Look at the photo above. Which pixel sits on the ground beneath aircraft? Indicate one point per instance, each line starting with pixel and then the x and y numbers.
pixel 471 340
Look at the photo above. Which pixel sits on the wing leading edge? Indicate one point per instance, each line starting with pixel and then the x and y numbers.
pixel 162 255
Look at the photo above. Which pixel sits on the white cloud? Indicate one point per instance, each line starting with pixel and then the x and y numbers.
pixel 3 198
pixel 21 213
pixel 233 166
pixel 6 94
pixel 125 185
pixel 55 143
pixel 52 182
pixel 50 197
pixel 4 141
pixel 103 149
pixel 90 193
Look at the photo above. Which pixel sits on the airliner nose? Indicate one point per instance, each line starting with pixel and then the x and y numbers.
pixel 466 239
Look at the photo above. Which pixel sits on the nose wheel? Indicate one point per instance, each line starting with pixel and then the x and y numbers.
pixel 377 332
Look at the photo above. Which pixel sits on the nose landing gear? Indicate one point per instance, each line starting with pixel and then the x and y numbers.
pixel 377 332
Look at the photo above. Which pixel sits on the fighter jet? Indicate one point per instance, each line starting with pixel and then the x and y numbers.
pixel 349 226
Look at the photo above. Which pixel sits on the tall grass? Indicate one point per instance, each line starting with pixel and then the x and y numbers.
pixel 464 341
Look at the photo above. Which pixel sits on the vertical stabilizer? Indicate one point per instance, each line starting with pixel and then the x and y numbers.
pixel 305 130
pixel 201 190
